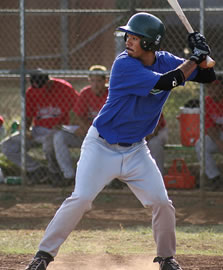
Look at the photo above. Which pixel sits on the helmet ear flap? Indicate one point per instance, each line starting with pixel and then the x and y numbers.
pixel 145 44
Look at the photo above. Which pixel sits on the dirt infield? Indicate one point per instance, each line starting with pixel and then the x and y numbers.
pixel 26 205
pixel 111 262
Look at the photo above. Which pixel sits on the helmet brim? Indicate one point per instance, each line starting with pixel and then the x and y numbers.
pixel 128 29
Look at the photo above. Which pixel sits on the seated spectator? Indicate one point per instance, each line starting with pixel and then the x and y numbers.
pixel 91 99
pixel 48 104
pixel 156 142
pixel 213 132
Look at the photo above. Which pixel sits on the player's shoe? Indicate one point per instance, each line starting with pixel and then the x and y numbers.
pixel 40 261
pixel 168 263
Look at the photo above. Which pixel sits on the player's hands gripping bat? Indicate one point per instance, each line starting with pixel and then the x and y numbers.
pixel 194 39
pixel 200 49
pixel 176 7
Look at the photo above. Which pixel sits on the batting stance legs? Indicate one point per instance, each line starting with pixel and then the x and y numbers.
pixel 104 163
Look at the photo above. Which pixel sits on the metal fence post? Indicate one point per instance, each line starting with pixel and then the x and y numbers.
pixel 23 96
pixel 202 112
pixel 64 37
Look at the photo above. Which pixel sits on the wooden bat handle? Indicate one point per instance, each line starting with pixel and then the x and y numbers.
pixel 177 8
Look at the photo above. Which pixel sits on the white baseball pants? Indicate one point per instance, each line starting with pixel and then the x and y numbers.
pixel 55 145
pixel 100 163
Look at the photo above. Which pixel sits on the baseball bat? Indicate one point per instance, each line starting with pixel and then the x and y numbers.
pixel 176 7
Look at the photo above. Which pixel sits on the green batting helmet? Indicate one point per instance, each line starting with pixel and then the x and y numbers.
pixel 149 27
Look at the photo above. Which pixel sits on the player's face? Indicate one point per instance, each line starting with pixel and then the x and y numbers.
pixel 133 46
pixel 97 84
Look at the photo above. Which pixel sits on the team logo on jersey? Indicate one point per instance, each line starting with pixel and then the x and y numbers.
pixel 158 39
pixel 48 112
pixel 156 91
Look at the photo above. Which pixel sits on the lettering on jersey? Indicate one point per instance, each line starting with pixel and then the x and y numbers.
pixel 48 112
pixel 156 91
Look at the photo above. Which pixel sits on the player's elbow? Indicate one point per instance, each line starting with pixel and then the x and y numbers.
pixel 170 80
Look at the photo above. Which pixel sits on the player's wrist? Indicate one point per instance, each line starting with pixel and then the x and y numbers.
pixel 197 59
pixel 192 58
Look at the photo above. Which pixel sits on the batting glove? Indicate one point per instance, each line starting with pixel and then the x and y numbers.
pixel 195 39
pixel 200 53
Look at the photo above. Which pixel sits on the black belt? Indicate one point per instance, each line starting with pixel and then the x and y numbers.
pixel 120 144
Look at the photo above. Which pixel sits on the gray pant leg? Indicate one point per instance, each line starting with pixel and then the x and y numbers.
pixel 89 182
pixel 145 181
pixel 11 148
pixel 45 137
pixel 163 224
pixel 147 184
pixel 48 149
pixel 62 141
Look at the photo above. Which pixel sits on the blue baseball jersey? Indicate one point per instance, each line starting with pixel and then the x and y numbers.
pixel 133 106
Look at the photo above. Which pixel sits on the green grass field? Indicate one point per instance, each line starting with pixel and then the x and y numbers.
pixel 202 240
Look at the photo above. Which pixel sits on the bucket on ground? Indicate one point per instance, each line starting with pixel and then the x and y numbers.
pixel 189 119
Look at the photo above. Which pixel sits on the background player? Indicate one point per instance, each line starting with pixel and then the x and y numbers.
pixel 89 103
pixel 48 103
pixel 115 147
pixel 91 99
pixel 213 133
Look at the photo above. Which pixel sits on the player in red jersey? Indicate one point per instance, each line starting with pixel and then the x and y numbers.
pixel 92 98
pixel 213 133
pixel 48 104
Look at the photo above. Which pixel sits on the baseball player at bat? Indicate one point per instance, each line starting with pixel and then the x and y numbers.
pixel 142 77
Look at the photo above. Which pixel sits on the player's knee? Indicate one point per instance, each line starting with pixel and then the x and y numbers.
pixel 161 200
pixel 58 138
pixel 3 148
pixel 8 148
pixel 83 202
pixel 156 200
pixel 164 208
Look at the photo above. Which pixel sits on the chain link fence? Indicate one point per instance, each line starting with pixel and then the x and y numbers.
pixel 66 37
